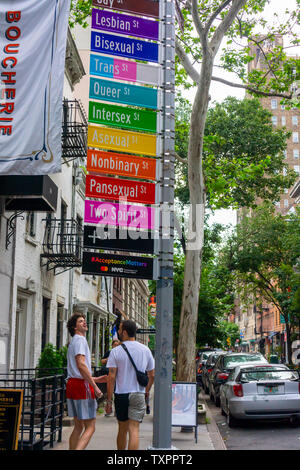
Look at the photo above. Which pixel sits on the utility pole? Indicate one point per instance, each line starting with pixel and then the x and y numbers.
pixel 162 426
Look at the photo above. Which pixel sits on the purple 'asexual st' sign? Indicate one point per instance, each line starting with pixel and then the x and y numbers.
pixel 125 24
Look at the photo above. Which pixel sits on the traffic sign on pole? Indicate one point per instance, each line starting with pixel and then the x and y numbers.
pixel 124 47
pixel 123 215
pixel 116 189
pixel 121 164
pixel 116 92
pixel 124 24
pixel 119 69
pixel 103 264
pixel 120 116
pixel 119 140
pixel 146 331
pixel 119 240
pixel 142 7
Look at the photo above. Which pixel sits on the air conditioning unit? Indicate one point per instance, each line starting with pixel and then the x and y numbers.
pixel 30 285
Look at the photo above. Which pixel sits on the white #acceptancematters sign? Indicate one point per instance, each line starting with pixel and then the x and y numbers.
pixel 32 61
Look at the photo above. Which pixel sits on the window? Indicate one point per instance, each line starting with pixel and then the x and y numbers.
pixel 285 153
pixel 295 137
pixel 286 203
pixel 45 322
pixel 295 120
pixel 296 153
pixel 31 224
pixel 59 326
pixel 282 106
pixel 297 168
pixel 277 204
pixel 273 104
pixel 286 191
pixel 274 120
pixel 284 172
pixel 283 120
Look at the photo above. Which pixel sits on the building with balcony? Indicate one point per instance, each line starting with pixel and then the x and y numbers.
pixel 41 223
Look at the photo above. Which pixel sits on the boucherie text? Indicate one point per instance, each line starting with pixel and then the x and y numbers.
pixel 8 75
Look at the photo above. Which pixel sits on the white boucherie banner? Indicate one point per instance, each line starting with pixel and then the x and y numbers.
pixel 32 61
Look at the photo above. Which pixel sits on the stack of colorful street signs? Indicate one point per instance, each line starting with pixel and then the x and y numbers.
pixel 122 161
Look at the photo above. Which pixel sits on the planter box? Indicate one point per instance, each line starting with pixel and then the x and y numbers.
pixel 201 414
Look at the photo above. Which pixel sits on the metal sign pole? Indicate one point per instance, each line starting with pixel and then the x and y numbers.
pixel 162 426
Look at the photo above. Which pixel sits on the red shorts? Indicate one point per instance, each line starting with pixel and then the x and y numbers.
pixel 80 399
pixel 79 389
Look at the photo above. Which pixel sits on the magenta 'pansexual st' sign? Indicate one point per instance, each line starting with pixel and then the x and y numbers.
pixel 124 215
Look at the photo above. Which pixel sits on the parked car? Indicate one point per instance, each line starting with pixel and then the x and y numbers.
pixel 223 367
pixel 200 363
pixel 256 391
pixel 200 351
pixel 208 367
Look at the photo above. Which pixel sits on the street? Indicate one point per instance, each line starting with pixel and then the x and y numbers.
pixel 262 435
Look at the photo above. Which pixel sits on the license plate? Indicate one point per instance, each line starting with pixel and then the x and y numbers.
pixel 271 390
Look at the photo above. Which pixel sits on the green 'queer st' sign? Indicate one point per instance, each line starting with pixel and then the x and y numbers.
pixel 120 116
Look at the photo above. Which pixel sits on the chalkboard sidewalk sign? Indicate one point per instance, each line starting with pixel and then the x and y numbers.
pixel 11 401
pixel 185 405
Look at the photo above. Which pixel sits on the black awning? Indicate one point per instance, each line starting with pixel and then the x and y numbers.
pixel 29 193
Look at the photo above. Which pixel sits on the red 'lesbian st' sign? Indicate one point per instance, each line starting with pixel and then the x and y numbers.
pixel 116 189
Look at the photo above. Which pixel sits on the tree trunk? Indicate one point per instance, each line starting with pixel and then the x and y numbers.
pixel 190 298
pixel 288 341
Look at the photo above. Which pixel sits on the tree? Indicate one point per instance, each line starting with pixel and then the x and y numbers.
pixel 264 254
pixel 229 331
pixel 243 155
pixel 207 23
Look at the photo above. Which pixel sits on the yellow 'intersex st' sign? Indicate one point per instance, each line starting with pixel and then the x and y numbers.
pixel 124 141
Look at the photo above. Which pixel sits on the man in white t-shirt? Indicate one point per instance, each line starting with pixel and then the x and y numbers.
pixel 82 389
pixel 129 394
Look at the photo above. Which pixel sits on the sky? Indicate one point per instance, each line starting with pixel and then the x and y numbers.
pixel 219 91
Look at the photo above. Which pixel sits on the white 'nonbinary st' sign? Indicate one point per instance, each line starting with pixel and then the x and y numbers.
pixel 32 61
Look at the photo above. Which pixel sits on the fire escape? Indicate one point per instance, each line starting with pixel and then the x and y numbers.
pixel 63 238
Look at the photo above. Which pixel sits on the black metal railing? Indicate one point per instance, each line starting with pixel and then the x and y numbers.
pixel 43 407
pixel 62 243
pixel 74 130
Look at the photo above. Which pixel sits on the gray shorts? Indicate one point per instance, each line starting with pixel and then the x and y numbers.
pixel 130 406
pixel 82 409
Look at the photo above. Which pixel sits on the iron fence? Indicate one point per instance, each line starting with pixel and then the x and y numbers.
pixel 42 409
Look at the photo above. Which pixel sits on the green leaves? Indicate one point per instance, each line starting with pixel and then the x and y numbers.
pixel 243 155
pixel 266 253
pixel 80 11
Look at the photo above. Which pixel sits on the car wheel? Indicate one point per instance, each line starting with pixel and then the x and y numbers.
pixel 231 421
pixel 222 411
pixel 217 401
pixel 294 421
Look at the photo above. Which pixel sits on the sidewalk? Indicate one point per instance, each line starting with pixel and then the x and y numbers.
pixel 107 428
